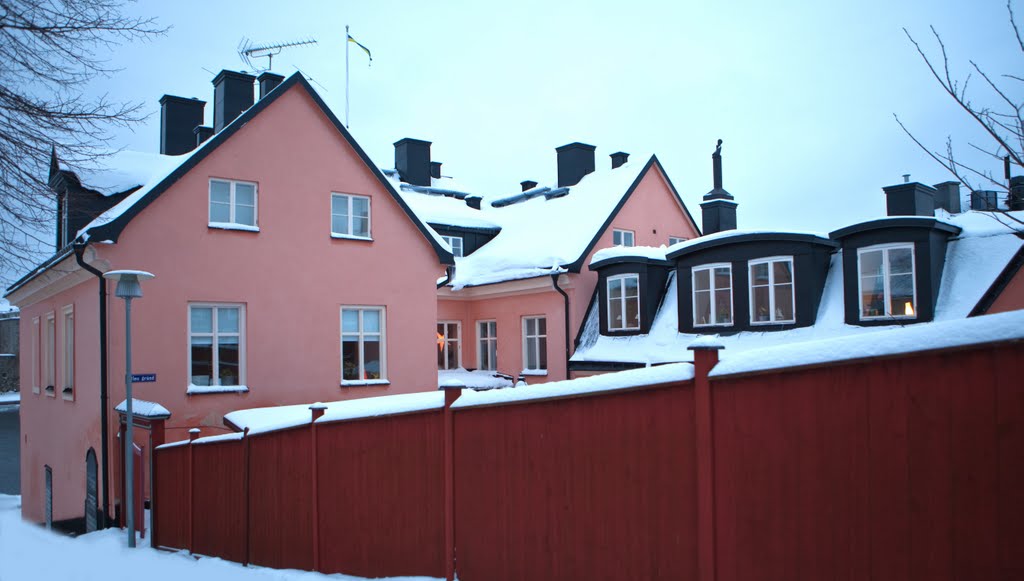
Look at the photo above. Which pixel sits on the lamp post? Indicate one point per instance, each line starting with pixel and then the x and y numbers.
pixel 128 288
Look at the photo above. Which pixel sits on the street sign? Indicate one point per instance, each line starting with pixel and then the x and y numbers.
pixel 143 377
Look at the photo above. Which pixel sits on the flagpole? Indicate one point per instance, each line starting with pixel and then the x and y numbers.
pixel 346 75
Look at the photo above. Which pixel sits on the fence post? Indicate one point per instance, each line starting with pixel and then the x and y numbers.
pixel 316 412
pixel 705 357
pixel 192 435
pixel 452 390
pixel 246 496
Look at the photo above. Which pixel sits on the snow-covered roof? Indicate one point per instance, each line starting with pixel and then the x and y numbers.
pixel 974 260
pixel 648 252
pixel 126 169
pixel 478 379
pixel 144 409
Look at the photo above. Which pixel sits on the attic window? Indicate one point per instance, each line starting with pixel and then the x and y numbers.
pixel 350 216
pixel 675 240
pixel 232 205
pixel 712 295
pixel 456 243
pixel 887 287
pixel 623 238
pixel 771 291
pixel 624 302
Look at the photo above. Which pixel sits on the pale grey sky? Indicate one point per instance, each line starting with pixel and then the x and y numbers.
pixel 802 93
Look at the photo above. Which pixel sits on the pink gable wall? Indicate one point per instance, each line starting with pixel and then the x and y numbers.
pixel 291 276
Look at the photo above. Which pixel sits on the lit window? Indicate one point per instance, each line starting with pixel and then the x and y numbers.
pixel 449 345
pixel 456 243
pixel 362 345
pixel 35 354
pixel 622 237
pixel 535 344
pixel 216 345
pixel 487 345
pixel 232 204
pixel 771 291
pixel 350 216
pixel 624 302
pixel 675 240
pixel 712 295
pixel 49 345
pixel 68 328
pixel 886 279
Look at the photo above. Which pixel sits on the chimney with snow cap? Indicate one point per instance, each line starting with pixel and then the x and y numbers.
pixel 412 160
pixel 435 169
pixel 178 117
pixel 909 199
pixel 528 184
pixel 575 160
pixel 619 158
pixel 268 82
pixel 232 95
pixel 947 196
pixel 718 210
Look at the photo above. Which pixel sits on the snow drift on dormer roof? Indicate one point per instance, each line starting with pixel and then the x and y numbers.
pixel 124 170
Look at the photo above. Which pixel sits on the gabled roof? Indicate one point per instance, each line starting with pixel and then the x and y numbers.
pixel 109 225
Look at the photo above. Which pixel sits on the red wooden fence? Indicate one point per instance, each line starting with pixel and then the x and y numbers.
pixel 898 468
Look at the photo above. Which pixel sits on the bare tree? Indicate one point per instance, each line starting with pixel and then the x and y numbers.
pixel 1000 118
pixel 49 50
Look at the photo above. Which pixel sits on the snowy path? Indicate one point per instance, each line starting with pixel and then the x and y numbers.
pixel 29 552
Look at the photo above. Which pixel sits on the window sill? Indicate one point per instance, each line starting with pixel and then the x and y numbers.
pixel 208 389
pixel 49 391
pixel 720 325
pixel 35 390
pixel 68 394
pixel 365 382
pixel 350 237
pixel 768 323
pixel 230 226
pixel 534 372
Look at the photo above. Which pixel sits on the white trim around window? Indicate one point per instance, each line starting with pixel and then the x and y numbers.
pixel 623 302
pixel 487 345
pixel 68 352
pixel 35 361
pixel 49 355
pixel 363 345
pixel 350 216
pixel 623 237
pixel 675 240
pixel 772 291
pixel 233 205
pixel 449 345
pixel 897 273
pixel 708 291
pixel 535 345
pixel 456 243
pixel 216 348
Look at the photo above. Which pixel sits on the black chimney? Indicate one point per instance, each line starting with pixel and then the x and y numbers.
pixel 474 202
pixel 910 199
pixel 178 117
pixel 1016 199
pixel 575 160
pixel 947 196
pixel 619 158
pixel 203 132
pixel 528 184
pixel 412 160
pixel 268 82
pixel 718 210
pixel 435 169
pixel 232 94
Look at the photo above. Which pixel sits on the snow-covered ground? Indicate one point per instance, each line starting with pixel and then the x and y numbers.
pixel 29 552
pixel 10 398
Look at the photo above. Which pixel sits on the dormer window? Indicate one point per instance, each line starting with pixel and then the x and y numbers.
pixel 771 291
pixel 624 302
pixel 456 243
pixel 886 277
pixel 623 238
pixel 712 295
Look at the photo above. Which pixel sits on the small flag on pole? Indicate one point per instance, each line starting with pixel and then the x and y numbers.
pixel 357 43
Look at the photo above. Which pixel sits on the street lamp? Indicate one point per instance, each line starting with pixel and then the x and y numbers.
pixel 128 288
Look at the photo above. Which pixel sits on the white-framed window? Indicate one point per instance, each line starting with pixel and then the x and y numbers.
pixel 885 282
pixel 350 216
pixel 49 346
pixel 65 225
pixel 216 336
pixel 624 302
pixel 68 359
pixel 712 295
pixel 456 243
pixel 449 344
pixel 232 204
pixel 363 347
pixel 535 344
pixel 34 347
pixel 675 240
pixel 771 291
pixel 487 345
pixel 623 237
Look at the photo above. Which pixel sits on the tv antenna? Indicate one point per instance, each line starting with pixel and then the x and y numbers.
pixel 247 50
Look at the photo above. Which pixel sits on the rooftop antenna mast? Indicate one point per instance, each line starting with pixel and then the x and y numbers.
pixel 248 51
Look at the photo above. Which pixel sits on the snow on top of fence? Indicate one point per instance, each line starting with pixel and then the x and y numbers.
pixel 598 383
pixel 890 341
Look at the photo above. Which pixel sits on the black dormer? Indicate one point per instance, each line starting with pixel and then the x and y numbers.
pixel 894 265
pixel 635 312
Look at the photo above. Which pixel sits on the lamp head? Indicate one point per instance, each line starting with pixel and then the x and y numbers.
pixel 128 286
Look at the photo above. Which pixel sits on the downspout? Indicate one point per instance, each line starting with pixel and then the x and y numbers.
pixel 565 300
pixel 449 272
pixel 79 250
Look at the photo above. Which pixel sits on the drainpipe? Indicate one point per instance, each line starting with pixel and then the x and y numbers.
pixel 565 299
pixel 449 272
pixel 79 248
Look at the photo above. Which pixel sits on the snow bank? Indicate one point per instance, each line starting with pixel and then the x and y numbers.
pixel 583 385
pixel 891 341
